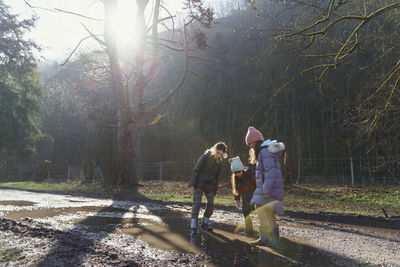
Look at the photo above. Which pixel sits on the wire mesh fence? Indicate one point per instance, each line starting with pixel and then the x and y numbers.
pixel 173 171
pixel 332 171
pixel 349 171
pixel 42 170
pixel 164 170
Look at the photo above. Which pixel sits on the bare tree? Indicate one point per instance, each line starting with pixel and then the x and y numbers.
pixel 131 117
pixel 321 25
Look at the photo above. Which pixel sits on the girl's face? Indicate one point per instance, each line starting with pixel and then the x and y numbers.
pixel 252 144
pixel 218 154
pixel 239 174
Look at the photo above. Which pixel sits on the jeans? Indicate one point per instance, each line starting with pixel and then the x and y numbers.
pixel 197 198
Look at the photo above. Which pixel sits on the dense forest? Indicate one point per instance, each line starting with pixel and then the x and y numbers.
pixel 320 76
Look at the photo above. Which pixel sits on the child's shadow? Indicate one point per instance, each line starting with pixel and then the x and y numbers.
pixel 235 251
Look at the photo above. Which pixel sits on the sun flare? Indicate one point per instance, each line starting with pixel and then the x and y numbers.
pixel 124 25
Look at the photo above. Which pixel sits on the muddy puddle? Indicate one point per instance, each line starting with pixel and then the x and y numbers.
pixel 166 227
pixel 168 230
pixel 17 203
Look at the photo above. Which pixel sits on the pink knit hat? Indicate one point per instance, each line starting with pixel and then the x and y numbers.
pixel 253 135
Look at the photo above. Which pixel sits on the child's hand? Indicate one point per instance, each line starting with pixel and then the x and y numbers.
pixel 192 189
pixel 267 196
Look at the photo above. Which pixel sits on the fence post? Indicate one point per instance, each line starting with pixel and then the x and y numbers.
pixel 69 173
pixel 161 170
pixel 298 170
pixel 352 171
pixel 101 175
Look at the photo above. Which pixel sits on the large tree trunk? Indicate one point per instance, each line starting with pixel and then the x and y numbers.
pixel 124 140
pixel 130 120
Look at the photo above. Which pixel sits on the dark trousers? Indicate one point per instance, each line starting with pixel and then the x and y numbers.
pixel 197 198
pixel 246 207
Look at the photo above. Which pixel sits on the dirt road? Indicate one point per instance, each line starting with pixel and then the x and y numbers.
pixel 39 229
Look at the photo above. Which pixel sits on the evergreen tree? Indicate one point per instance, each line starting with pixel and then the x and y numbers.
pixel 20 91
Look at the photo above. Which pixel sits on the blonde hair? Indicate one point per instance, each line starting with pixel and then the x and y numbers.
pixel 252 156
pixel 219 146
pixel 253 153
pixel 233 182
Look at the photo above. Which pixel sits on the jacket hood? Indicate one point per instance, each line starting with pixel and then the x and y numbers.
pixel 269 142
pixel 276 147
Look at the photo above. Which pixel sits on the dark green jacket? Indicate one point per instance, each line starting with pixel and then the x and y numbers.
pixel 206 172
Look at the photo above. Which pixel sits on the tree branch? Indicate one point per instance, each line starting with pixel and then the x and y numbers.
pixel 197 75
pixel 381 113
pixel 392 73
pixel 155 121
pixel 206 59
pixel 172 48
pixel 325 18
pixel 173 21
pixel 94 36
pixel 330 25
pixel 57 10
pixel 155 28
pixel 326 66
pixel 180 82
pixel 73 51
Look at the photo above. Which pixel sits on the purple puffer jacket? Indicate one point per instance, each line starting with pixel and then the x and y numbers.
pixel 269 176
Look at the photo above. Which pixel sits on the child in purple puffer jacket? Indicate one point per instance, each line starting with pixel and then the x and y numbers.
pixel 268 196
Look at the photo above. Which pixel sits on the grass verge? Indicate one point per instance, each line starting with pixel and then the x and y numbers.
pixel 339 199
pixel 344 199
pixel 70 186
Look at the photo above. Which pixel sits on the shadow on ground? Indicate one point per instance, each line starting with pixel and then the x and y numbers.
pixel 221 248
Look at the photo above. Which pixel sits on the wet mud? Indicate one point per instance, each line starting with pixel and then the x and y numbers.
pixel 17 203
pixel 90 232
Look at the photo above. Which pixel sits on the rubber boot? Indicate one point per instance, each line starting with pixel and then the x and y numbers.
pixel 276 232
pixel 274 237
pixel 193 226
pixel 206 224
pixel 263 240
pixel 249 231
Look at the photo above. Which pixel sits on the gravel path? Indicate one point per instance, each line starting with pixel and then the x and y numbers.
pixel 47 247
pixel 55 238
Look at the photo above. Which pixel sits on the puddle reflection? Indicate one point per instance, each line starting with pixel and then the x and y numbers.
pixel 167 228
